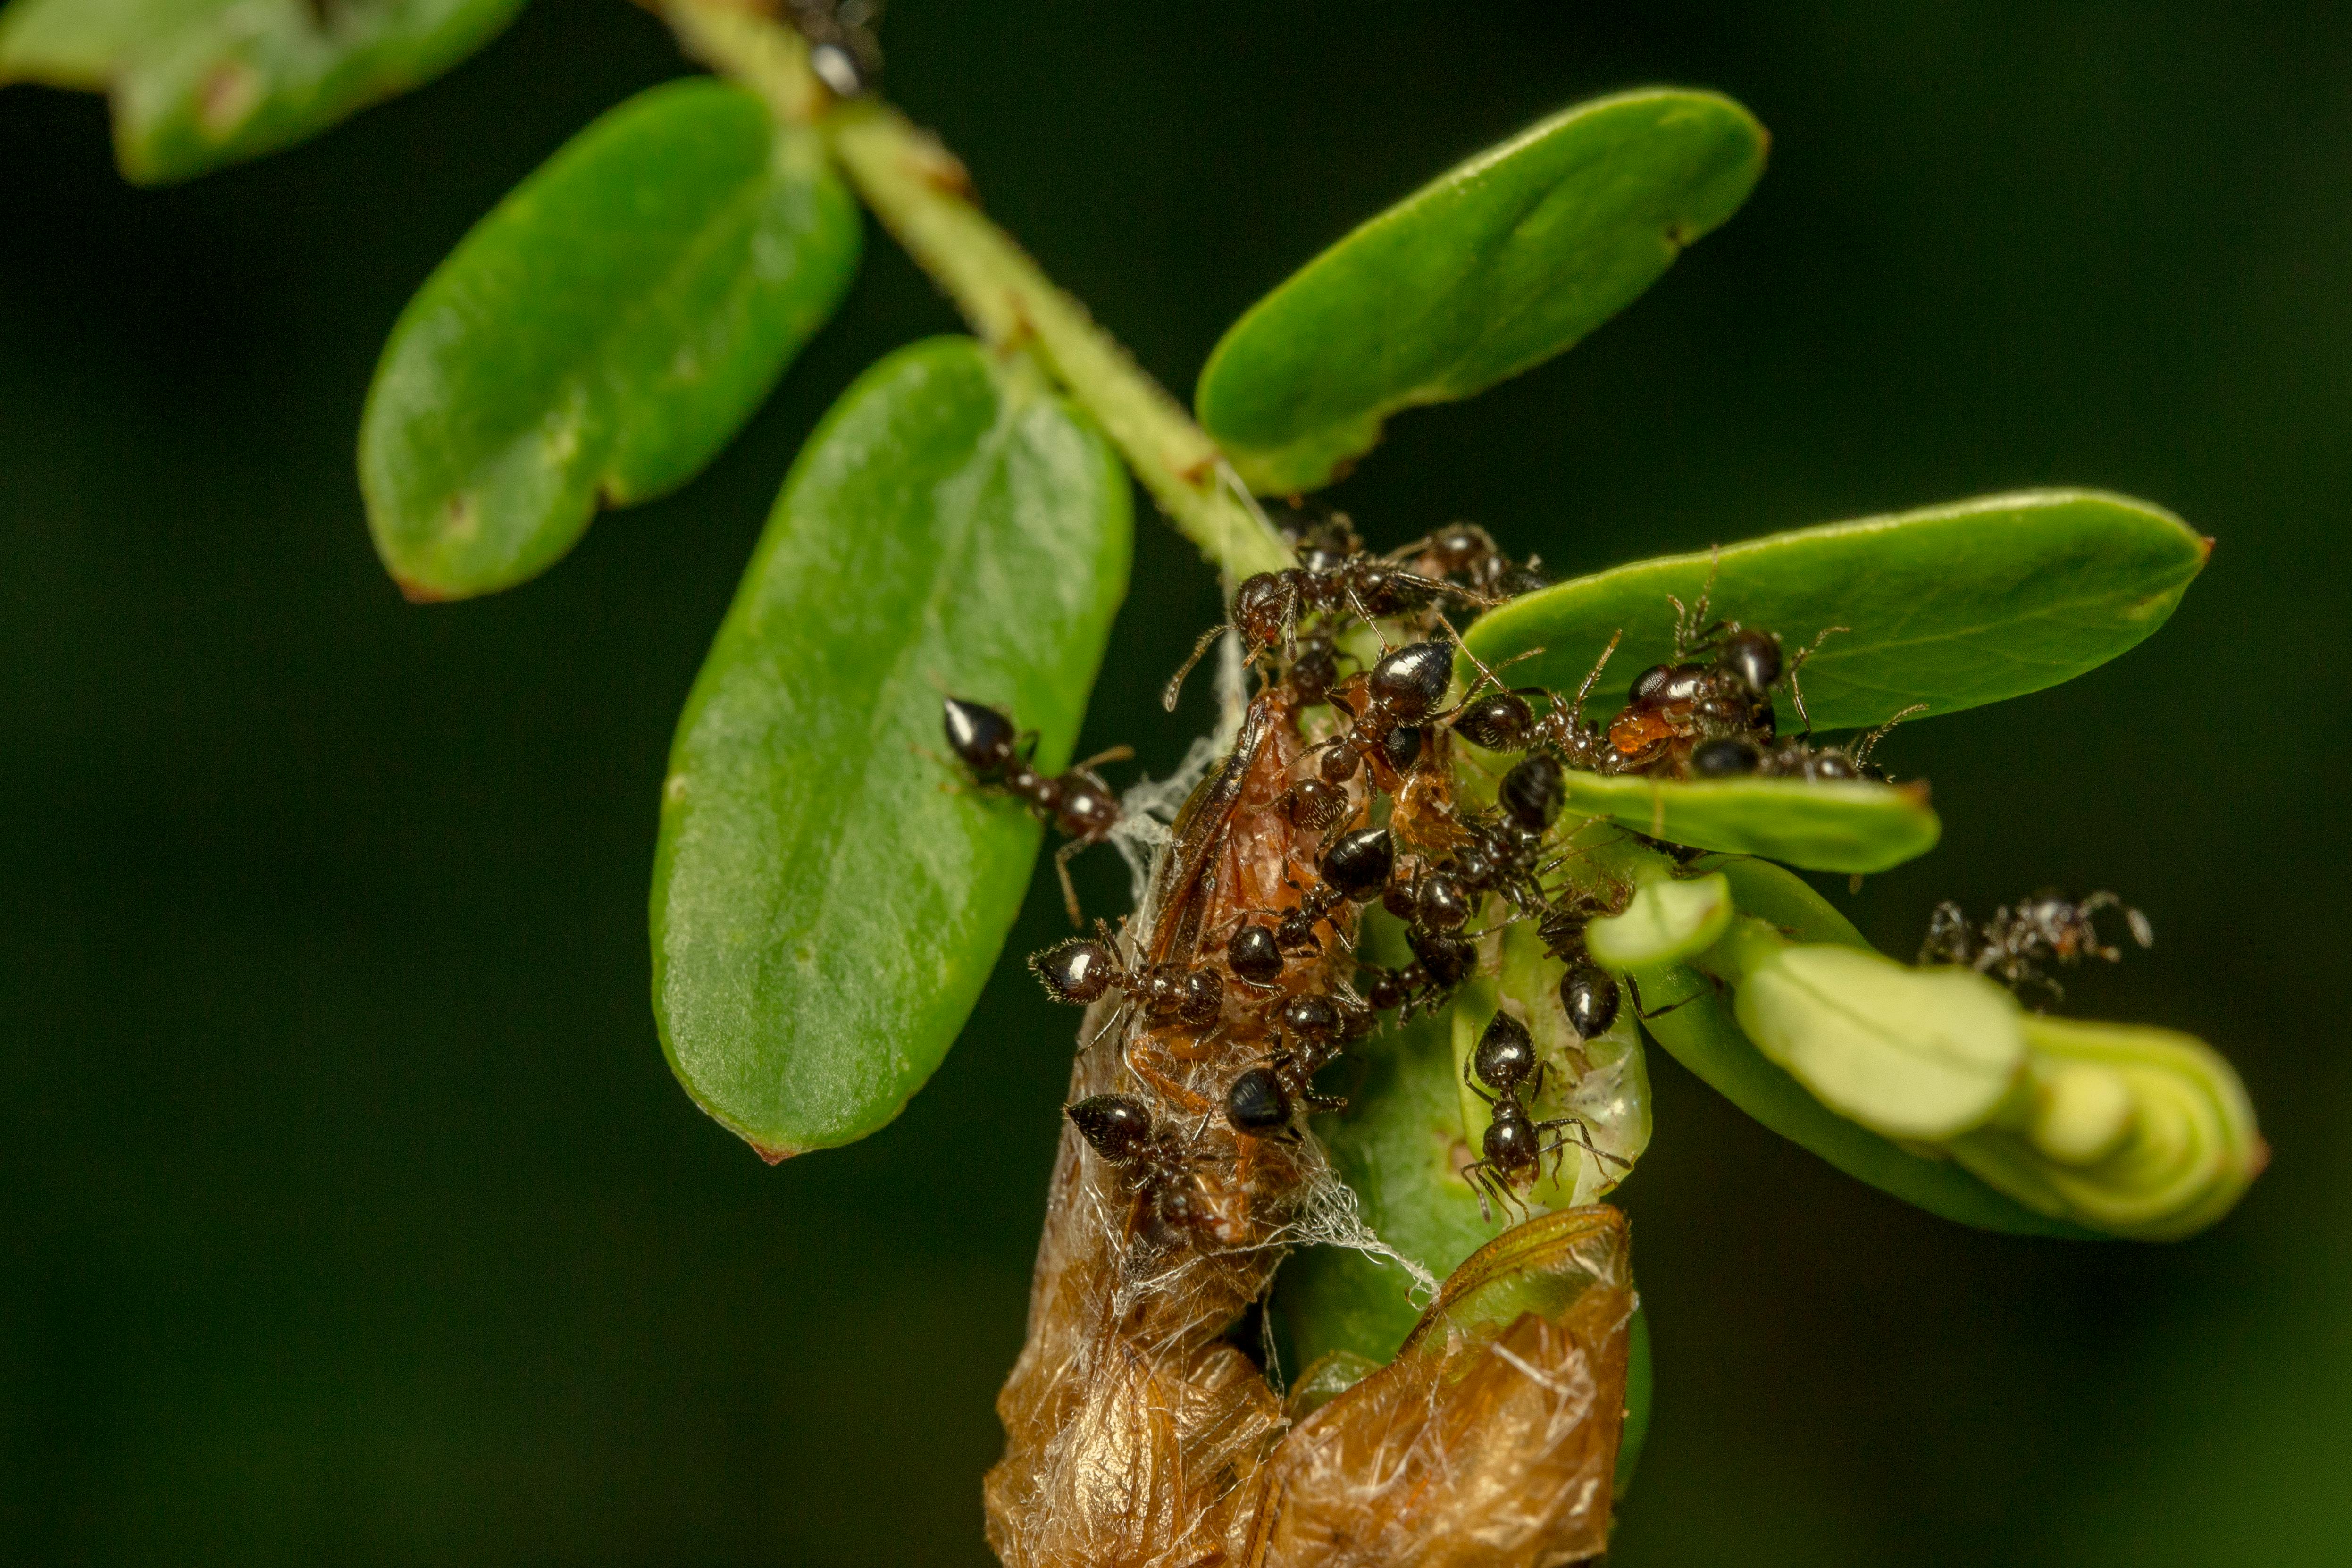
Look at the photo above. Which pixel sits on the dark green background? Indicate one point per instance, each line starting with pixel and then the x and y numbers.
pixel 350 1211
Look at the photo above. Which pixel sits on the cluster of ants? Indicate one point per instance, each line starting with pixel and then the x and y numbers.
pixel 1245 962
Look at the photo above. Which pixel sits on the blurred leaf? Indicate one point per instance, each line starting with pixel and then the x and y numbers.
pixel 1952 605
pixel 196 84
pixel 601 335
pixel 1702 1035
pixel 1911 1053
pixel 1830 824
pixel 1487 271
pixel 825 911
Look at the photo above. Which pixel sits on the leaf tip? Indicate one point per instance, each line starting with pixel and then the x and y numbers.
pixel 773 1154
pixel 417 592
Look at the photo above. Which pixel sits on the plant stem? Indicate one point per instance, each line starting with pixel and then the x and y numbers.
pixel 921 194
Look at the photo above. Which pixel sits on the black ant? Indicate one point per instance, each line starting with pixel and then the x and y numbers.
pixel 1507 722
pixel 1441 962
pixel 1259 1100
pixel 1077 800
pixel 1152 1165
pixel 1587 995
pixel 1353 870
pixel 1514 1146
pixel 2049 927
pixel 1083 969
pixel 1465 550
pixel 1796 757
pixel 1333 576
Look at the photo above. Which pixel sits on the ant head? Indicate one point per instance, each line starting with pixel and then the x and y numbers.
pixel 1724 757
pixel 1511 1144
pixel 1448 959
pixel 1113 1126
pixel 1589 996
pixel 1505 1054
pixel 1412 680
pixel 982 736
pixel 1076 970
pixel 1753 657
pixel 1460 547
pixel 1312 1019
pixel 1360 864
pixel 1256 1103
pixel 1532 793
pixel 1262 608
pixel 1499 723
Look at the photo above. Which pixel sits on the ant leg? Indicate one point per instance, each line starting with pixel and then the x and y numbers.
pixel 1116 754
pixel 1176 682
pixel 1645 1013
pixel 1070 888
pixel 1472 1087
pixel 1168 1088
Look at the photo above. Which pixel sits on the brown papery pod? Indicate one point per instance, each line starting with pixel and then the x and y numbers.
pixel 1138 1434
pixel 1491 1440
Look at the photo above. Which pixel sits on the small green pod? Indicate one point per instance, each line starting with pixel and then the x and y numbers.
pixel 1918 1054
pixel 2138 1131
pixel 1669 919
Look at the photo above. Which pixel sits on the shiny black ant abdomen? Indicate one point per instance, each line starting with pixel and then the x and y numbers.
pixel 1075 800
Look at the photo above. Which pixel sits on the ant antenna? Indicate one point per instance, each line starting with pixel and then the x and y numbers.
pixel 1870 742
pixel 1486 673
pixel 1176 682
pixel 1797 692
pixel 1593 678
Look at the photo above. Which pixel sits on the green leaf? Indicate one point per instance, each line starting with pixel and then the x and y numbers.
pixel 824 913
pixel 1951 606
pixel 601 335
pixel 1702 1035
pixel 1487 271
pixel 200 84
pixel 1830 825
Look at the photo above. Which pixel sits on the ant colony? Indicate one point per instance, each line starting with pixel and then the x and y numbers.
pixel 1227 1010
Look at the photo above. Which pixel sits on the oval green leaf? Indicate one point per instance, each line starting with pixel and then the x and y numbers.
pixel 1830 824
pixel 1702 1036
pixel 601 335
pixel 1951 606
pixel 825 911
pixel 1487 271
pixel 196 84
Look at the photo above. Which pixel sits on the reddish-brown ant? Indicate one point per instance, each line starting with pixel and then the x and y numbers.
pixel 1076 801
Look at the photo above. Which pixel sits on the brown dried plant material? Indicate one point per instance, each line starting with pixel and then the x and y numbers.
pixel 1491 1440
pixel 1139 1436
